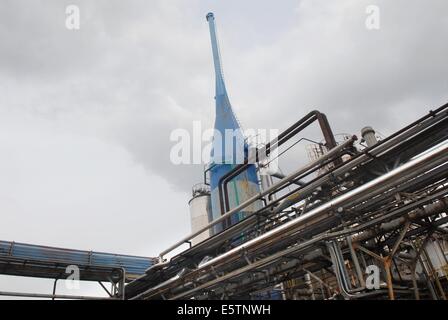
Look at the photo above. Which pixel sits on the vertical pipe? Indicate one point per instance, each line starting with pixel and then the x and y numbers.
pixel 355 262
pixel 387 267
pixel 54 288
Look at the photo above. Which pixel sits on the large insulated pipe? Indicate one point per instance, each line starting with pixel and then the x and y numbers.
pixel 437 207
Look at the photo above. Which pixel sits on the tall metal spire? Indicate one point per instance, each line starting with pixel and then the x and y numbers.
pixel 220 86
pixel 228 151
pixel 225 118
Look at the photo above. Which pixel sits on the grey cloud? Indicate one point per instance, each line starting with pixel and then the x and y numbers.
pixel 331 62
pixel 137 70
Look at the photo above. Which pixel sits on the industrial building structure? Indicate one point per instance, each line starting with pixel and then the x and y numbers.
pixel 365 218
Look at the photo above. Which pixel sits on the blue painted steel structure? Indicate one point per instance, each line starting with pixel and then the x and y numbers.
pixel 229 146
pixel 42 261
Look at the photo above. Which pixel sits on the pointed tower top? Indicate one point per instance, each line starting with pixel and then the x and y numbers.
pixel 220 86
pixel 225 118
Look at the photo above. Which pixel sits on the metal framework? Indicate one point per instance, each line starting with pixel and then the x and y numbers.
pixel 322 227
pixel 27 260
pixel 356 222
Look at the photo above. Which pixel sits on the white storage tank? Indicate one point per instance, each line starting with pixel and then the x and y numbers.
pixel 200 211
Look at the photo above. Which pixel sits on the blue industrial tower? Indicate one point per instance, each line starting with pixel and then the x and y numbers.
pixel 229 147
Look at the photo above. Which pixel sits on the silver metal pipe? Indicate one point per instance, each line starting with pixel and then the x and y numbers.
pixel 336 203
pixel 434 208
pixel 355 261
pixel 286 252
pixel 434 155
pixel 376 150
pixel 335 151
pixel 51 296
pixel 342 277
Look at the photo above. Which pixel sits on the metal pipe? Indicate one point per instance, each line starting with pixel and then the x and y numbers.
pixel 430 119
pixel 280 183
pixel 335 203
pixel 50 296
pixel 265 151
pixel 296 128
pixel 429 210
pixel 340 272
pixel 355 261
pixel 285 252
pixel 54 286
pixel 369 187
pixel 304 245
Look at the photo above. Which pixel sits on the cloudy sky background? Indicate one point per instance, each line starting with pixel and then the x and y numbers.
pixel 85 116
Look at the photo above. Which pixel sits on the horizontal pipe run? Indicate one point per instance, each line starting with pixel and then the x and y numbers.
pixel 51 296
pixel 334 204
pixel 291 177
pixel 423 123
pixel 285 252
pixel 432 209
pixel 368 154
pixel 390 143
pixel 403 170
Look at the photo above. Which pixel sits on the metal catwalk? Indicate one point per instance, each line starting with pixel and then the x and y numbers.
pixel 27 260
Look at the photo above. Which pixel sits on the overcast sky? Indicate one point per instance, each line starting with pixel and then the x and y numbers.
pixel 85 115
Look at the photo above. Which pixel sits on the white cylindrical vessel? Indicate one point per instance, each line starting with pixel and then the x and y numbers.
pixel 369 135
pixel 200 211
